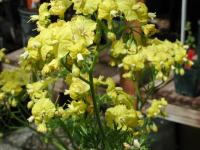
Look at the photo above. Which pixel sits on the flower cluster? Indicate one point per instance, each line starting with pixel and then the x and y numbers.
pixel 156 108
pixel 12 86
pixel 163 56
pixel 68 49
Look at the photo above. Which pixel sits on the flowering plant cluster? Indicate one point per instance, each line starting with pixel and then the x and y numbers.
pixel 72 34
pixel 191 51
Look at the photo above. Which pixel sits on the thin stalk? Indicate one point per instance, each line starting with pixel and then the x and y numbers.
pixel 96 109
pixel 58 145
pixel 58 142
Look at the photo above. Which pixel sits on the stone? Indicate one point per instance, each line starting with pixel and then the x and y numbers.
pixel 26 139
pixel 5 146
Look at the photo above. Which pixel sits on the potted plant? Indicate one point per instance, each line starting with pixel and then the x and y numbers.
pixel 68 48
pixel 187 83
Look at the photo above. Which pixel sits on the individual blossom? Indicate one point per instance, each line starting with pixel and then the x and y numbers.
pixel 51 67
pixel 118 49
pixel 132 48
pixel 83 28
pixel 58 7
pixel 75 108
pixel 110 83
pixel 111 36
pixel 42 128
pixel 33 47
pixel 43 110
pixel 75 71
pixel 152 15
pixel 37 90
pixel 134 62
pixel 122 117
pixel 154 127
pixel 86 7
pixel 108 10
pixel 79 35
pixel 141 11
pixel 133 10
pixel 126 8
pixel 157 108
pixel 12 101
pixel 2 96
pixel 36 86
pixel 149 29
pixel 77 89
pixel 42 46
pixel 43 18
pixel 3 56
pixel 118 97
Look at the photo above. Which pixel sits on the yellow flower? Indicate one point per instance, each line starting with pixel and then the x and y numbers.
pixel 149 29
pixel 30 104
pixel 75 71
pixel 157 108
pixel 124 118
pixel 134 62
pixel 78 88
pixel 33 47
pixel 75 37
pixel 86 7
pixel 133 10
pixel 2 54
pixel 43 110
pixel 51 67
pixel 37 90
pixel 35 87
pixel 42 128
pixel 58 7
pixel 2 96
pixel 118 49
pixel 107 10
pixel 111 36
pixel 13 102
pixel 45 51
pixel 142 12
pixel 125 6
pixel 110 83
pixel 60 111
pixel 76 108
pixel 83 28
pixel 118 97
pixel 12 88
pixel 12 81
pixel 154 127
pixel 43 17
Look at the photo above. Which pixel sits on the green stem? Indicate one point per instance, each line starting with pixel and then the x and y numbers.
pixel 58 142
pixel 58 145
pixel 96 109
